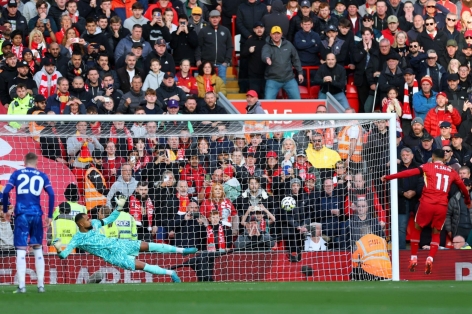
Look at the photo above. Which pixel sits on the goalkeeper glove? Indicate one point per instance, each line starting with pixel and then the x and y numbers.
pixel 120 202
pixel 58 245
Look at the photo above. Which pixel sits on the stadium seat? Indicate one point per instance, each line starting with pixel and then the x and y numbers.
pixel 282 94
pixel 315 91
pixel 304 92
pixel 351 94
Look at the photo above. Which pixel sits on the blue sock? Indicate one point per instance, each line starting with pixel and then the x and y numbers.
pixel 163 248
pixel 156 270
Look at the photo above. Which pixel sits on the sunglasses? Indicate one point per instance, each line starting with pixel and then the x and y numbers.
pixel 468 37
pixel 317 141
pixel 367 20
pixel 447 150
pixel 429 24
pixel 431 58
pixel 413 46
pixel 431 7
pixel 449 19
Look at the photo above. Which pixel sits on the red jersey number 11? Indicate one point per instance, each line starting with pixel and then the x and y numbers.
pixel 440 180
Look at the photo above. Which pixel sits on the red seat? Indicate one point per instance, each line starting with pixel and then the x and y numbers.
pixel 351 95
pixel 304 93
pixel 282 94
pixel 314 91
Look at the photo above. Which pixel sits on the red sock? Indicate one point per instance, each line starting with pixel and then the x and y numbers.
pixel 434 244
pixel 415 241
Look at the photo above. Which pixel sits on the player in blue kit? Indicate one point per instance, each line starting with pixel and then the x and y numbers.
pixel 29 183
pixel 118 252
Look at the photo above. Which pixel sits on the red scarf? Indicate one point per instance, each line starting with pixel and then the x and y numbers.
pixel 63 99
pixel 45 87
pixel 74 17
pixel 31 66
pixel 41 48
pixel 208 85
pixel 129 138
pixel 211 247
pixel 84 155
pixel 140 164
pixel 302 169
pixel 137 210
pixel 183 202
pixel 406 108
pixel 18 51
pixel 251 170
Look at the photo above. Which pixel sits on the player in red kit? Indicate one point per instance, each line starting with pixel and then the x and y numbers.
pixel 438 179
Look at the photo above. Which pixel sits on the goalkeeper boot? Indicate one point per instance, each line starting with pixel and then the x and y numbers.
pixel 175 278
pixel 20 290
pixel 41 290
pixel 413 264
pixel 428 266
pixel 190 250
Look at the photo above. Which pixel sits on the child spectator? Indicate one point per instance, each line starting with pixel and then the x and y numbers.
pixel 391 104
pixel 154 78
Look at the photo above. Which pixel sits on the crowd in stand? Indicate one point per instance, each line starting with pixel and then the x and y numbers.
pixel 219 191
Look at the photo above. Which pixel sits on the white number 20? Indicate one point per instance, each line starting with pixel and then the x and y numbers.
pixel 23 189
pixel 439 181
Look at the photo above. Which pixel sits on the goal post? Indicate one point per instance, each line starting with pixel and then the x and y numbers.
pixel 212 141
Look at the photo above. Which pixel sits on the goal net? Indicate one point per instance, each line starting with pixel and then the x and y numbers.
pixel 261 197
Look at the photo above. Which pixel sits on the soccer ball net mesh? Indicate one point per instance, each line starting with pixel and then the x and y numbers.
pixel 261 200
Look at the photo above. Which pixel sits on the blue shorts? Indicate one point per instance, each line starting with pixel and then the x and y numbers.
pixel 28 226
pixel 125 254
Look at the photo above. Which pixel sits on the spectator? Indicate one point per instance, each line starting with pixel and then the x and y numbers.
pixel 132 99
pixel 443 112
pixel 218 237
pixel 14 16
pixel 413 138
pixel 95 40
pixel 461 151
pixel 78 91
pixel 184 41
pixel 252 50
pixel 58 101
pixel 111 163
pixel 376 152
pixel 381 15
pixel 185 80
pixel 326 20
pixel 308 44
pixel 457 97
pixel 425 99
pixel 129 71
pixel 81 146
pixel 460 244
pixel 432 8
pixel 52 146
pixel 162 5
pixel 198 16
pixel 458 220
pixel 118 32
pixel 425 151
pixel 19 106
pixel 125 184
pixel 75 67
pixel 332 44
pixel 41 8
pixel 137 17
pixel 332 78
pixel 296 22
pixel 391 77
pixel 8 74
pixel 256 221
pixel 452 52
pixel 211 105
pixel 160 53
pixel 277 17
pixel 444 138
pixel 124 45
pixel 363 222
pixel 210 48
pixel 437 73
pixel 249 12
pixel 23 78
pixel 144 212
pixel 368 22
pixel 253 104
pixel 433 38
pixel 314 240
pixel 168 90
pixel 279 73
pixel 449 160
pixel 6 233
pixel 208 81
pixel 189 228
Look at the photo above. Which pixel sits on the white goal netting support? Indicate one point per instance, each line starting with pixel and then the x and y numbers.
pixel 263 197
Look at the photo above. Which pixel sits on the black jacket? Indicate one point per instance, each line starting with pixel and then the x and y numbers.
pixel 411 140
pixel 295 24
pixel 164 93
pixel 215 45
pixel 70 72
pixel 277 17
pixel 415 183
pixel 80 93
pixel 457 98
pixel 125 79
pixel 438 44
pixel 56 13
pixel 184 45
pixel 29 82
pixel 359 56
pixel 248 13
pixel 337 73
pixel 167 62
pixel 100 39
pixel 387 80
pixel 256 67
pixel 7 75
pixel 153 32
pixel 49 143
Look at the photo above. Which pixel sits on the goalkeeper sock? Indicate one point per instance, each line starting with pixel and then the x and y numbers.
pixel 156 270
pixel 164 248
pixel 21 267
pixel 39 263
pixel 434 246
pixel 415 241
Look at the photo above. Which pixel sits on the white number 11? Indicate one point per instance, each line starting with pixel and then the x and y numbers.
pixel 446 181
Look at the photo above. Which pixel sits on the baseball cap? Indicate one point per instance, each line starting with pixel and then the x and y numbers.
pixel 451 42
pixel 339 2
pixel 6 43
pixel 456 135
pixel 12 4
pixel 301 153
pixel 310 176
pixel 417 120
pixel 453 77
pixel 305 3
pixel 250 154
pixel 160 41
pixel 20 64
pixel 368 17
pixel 137 45
pixel 271 154
pixel 408 71
pixel 168 75
pixel 214 13
pixel 331 28
pixel 442 94
pixel 445 124
pixel 172 103
pixel 276 29
pixel 252 93
pixel 468 33
pixel 392 19
pixel 426 137
pixel 393 56
pixel 197 10
pixel 258 24
pixel 467 46
pixel 39 98
pixel 49 61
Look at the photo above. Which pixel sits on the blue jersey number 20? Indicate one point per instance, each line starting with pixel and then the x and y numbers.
pixel 25 180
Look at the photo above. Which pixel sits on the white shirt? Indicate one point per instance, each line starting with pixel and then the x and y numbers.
pixel 311 246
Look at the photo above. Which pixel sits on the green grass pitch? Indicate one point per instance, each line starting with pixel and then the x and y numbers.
pixel 244 298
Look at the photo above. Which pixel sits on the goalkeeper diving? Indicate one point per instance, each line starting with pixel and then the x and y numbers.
pixel 118 252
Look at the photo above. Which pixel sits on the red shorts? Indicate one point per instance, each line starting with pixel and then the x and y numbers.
pixel 431 215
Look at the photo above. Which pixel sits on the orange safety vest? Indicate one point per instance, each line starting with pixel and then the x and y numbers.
pixel 34 128
pixel 92 197
pixel 372 254
pixel 344 143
